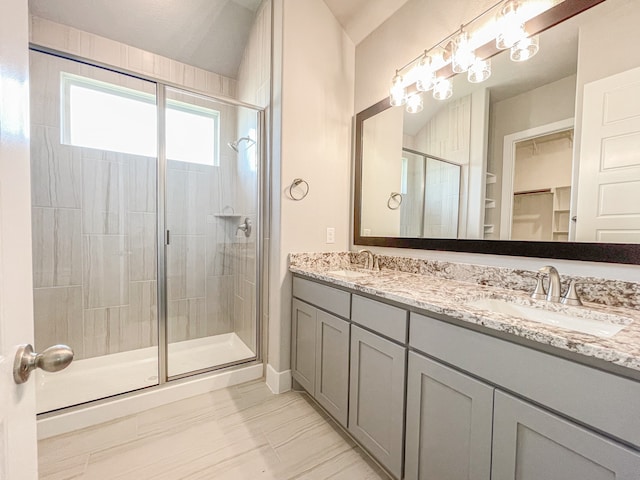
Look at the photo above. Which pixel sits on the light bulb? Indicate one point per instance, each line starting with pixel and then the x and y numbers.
pixel 510 35
pixel 525 49
pixel 462 55
pixel 443 89
pixel 425 74
pixel 397 92
pixel 479 71
pixel 510 26
pixel 414 103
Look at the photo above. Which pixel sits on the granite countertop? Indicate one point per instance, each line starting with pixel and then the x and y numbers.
pixel 450 297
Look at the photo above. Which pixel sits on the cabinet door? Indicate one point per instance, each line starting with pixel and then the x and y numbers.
pixel 532 444
pixel 332 365
pixel 449 421
pixel 376 405
pixel 303 344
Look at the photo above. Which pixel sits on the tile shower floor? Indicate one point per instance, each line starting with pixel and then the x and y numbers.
pixel 100 377
pixel 241 432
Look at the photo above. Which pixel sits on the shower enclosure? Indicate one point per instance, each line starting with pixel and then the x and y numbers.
pixel 145 230
pixel 430 189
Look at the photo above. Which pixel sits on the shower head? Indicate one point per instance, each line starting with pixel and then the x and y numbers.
pixel 235 144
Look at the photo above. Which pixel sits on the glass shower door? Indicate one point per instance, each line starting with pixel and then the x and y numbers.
pixel 212 163
pixel 94 175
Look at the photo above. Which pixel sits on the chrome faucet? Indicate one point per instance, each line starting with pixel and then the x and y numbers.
pixel 554 292
pixel 371 263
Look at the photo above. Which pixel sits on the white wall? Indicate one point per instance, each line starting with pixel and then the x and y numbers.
pixel 419 25
pixel 383 172
pixel 313 85
pixel 544 165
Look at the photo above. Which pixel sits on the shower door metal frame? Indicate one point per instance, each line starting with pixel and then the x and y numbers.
pixel 164 238
pixel 261 215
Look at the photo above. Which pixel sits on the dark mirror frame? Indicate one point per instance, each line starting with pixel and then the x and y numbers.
pixel 584 251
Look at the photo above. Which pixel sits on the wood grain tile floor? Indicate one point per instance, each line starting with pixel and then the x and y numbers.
pixel 242 432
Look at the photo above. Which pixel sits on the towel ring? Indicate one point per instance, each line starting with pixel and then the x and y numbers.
pixel 295 183
pixel 395 200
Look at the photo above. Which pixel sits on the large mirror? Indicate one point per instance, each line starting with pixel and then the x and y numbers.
pixel 542 159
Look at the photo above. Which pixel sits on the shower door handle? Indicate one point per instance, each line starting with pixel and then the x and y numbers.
pixel 53 359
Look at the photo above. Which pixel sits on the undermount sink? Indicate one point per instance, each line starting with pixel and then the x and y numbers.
pixel 601 324
pixel 349 273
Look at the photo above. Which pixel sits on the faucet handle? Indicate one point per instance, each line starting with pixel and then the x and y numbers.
pixel 539 293
pixel 571 297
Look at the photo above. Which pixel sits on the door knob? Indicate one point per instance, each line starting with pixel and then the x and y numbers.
pixel 53 359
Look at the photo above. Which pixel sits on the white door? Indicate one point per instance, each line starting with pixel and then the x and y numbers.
pixel 18 458
pixel 608 207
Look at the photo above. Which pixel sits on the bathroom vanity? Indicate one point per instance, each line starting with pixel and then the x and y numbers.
pixel 435 385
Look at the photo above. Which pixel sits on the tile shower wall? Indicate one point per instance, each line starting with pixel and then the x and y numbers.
pixel 94 229
pixel 254 87
pixel 207 257
pixel 200 273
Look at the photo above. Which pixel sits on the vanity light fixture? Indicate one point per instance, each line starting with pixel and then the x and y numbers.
pixel 443 89
pixel 425 74
pixel 398 92
pixel 414 103
pixel 479 71
pixel 462 53
pixel 505 24
pixel 525 49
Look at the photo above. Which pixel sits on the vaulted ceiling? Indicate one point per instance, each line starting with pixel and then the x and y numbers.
pixel 360 17
pixel 209 34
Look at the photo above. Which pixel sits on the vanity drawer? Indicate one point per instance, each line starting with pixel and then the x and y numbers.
pixel 384 319
pixel 329 299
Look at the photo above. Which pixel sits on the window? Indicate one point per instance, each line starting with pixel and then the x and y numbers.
pixel 110 117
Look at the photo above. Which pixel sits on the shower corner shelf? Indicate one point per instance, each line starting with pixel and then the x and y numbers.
pixel 491 178
pixel 228 215
pixel 489 203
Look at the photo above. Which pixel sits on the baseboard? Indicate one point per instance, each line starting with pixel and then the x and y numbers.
pixel 86 416
pixel 278 382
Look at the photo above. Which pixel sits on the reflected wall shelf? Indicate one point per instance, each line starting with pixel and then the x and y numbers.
pixel 489 203
pixel 561 205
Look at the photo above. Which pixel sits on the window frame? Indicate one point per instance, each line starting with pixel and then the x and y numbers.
pixel 69 80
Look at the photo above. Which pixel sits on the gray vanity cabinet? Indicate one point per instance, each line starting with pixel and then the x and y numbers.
pixel 350 352
pixel 376 409
pixel 532 444
pixel 320 357
pixel 332 365
pixel 449 422
pixel 303 345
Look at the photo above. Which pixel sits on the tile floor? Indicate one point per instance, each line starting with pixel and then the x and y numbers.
pixel 242 432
